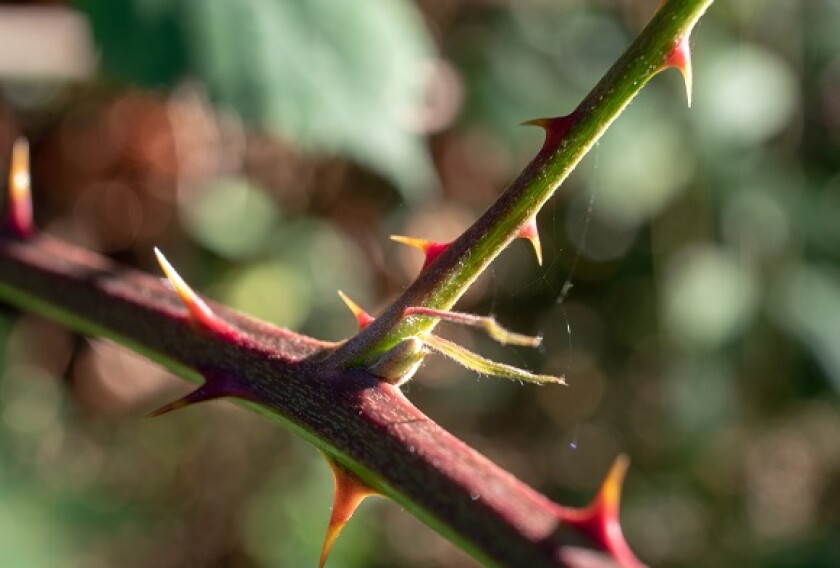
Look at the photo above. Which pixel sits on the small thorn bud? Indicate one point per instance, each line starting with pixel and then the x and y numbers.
pixel 530 231
pixel 200 312
pixel 431 249
pixel 363 318
pixel 401 362
pixel 350 491
pixel 555 128
pixel 19 217
pixel 600 519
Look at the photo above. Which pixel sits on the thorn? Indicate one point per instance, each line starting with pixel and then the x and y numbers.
pixel 200 312
pixel 363 318
pixel 198 395
pixel 555 127
pixel 530 231
pixel 600 519
pixel 19 219
pixel 215 386
pixel 489 324
pixel 431 249
pixel 680 58
pixel 350 491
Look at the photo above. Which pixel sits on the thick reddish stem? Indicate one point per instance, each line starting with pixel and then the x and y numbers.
pixel 367 424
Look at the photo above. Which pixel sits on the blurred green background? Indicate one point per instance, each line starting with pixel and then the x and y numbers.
pixel 271 146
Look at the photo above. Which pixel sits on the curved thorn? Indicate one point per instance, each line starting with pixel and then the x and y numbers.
pixel 200 312
pixel 488 323
pixel 19 216
pixel 600 519
pixel 484 366
pixel 431 249
pixel 363 318
pixel 530 231
pixel 350 491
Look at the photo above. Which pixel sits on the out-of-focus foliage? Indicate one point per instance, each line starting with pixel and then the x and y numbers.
pixel 336 77
pixel 700 336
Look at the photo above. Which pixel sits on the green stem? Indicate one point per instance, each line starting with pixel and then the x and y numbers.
pixel 443 282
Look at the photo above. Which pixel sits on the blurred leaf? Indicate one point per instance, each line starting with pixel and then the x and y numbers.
pixel 545 45
pixel 285 520
pixel 639 166
pixel 808 301
pixel 707 297
pixel 5 327
pixel 337 77
pixel 30 535
pixel 141 41
pixel 745 95
pixel 700 397
pixel 231 217
pixel 303 245
pixel 272 291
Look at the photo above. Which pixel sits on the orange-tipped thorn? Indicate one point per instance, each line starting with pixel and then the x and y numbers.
pixel 680 58
pixel 363 318
pixel 600 519
pixel 350 491
pixel 200 312
pixel 530 231
pixel 431 249
pixel 19 219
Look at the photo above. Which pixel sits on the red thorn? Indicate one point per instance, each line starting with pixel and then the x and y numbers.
pixel 19 219
pixel 555 128
pixel 200 312
pixel 363 318
pixel 431 249
pixel 350 491
pixel 600 519
pixel 530 231
pixel 215 386
pixel 680 58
